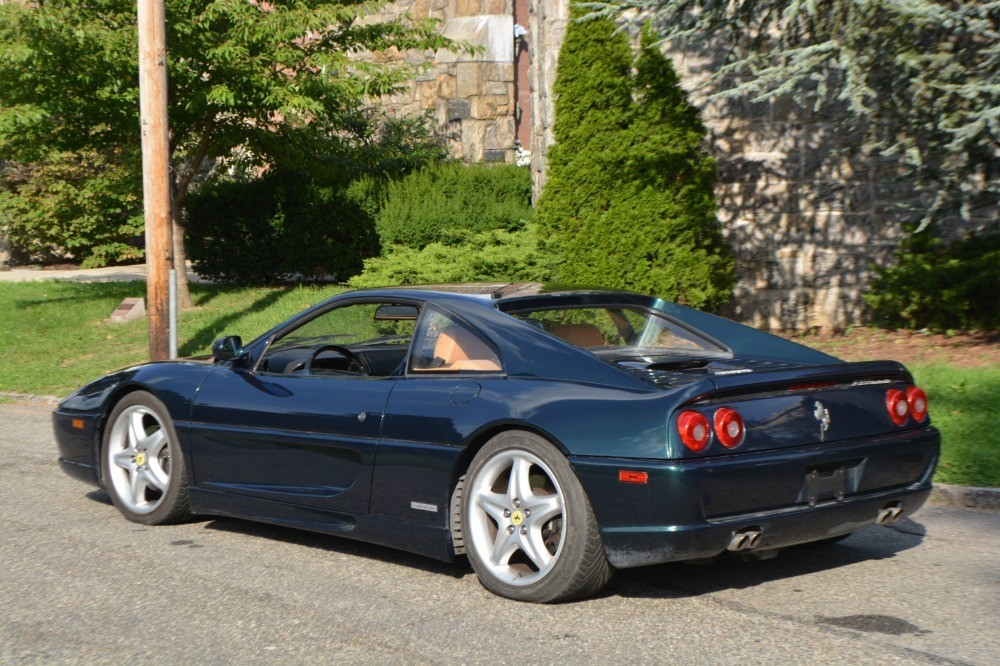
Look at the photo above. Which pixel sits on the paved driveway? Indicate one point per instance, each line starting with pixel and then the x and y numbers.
pixel 80 584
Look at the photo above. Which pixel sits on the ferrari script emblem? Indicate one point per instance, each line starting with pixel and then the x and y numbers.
pixel 822 415
pixel 517 518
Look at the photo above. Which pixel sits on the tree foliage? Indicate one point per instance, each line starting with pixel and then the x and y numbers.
pixel 921 78
pixel 250 83
pixel 312 220
pixel 940 285
pixel 284 225
pixel 440 201
pixel 72 205
pixel 629 200
pixel 468 256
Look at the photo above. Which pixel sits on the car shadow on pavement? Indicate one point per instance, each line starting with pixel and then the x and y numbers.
pixel 327 542
pixel 728 573
pixel 340 545
pixel 676 580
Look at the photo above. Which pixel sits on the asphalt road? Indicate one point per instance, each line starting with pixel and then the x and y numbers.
pixel 80 584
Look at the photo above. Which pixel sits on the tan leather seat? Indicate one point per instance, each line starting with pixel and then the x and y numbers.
pixel 461 350
pixel 581 335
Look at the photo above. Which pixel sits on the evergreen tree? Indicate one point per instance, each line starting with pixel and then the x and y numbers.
pixel 629 201
pixel 917 77
pixel 593 100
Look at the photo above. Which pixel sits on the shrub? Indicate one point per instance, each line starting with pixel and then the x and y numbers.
pixel 940 286
pixel 629 202
pixel 434 203
pixel 284 225
pixel 81 207
pixel 484 255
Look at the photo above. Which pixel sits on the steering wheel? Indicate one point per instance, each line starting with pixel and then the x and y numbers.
pixel 356 362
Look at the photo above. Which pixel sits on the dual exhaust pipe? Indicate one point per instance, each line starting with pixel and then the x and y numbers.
pixel 749 537
pixel 745 539
pixel 889 514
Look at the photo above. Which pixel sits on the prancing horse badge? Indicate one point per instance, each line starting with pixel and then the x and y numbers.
pixel 822 415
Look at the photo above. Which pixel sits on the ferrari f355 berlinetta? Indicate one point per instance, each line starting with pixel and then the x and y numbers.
pixel 550 435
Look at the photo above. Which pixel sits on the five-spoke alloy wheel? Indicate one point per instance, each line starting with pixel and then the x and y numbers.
pixel 142 463
pixel 529 530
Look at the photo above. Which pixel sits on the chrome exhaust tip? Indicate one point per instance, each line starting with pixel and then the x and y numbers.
pixel 745 539
pixel 889 514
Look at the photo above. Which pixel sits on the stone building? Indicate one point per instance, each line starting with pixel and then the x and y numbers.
pixel 807 217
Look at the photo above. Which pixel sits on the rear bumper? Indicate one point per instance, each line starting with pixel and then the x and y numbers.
pixel 691 509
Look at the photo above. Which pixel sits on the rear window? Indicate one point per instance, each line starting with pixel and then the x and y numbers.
pixel 445 344
pixel 611 328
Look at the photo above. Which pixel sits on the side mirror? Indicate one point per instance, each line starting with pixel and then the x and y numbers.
pixel 228 348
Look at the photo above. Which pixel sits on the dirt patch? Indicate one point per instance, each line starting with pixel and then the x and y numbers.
pixel 962 350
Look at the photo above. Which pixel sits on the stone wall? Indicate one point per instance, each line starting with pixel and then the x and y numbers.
pixel 469 95
pixel 808 217
pixel 546 29
pixel 807 214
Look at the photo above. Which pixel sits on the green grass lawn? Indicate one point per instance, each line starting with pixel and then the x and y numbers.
pixel 56 337
pixel 965 407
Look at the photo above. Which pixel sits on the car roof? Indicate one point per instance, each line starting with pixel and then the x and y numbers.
pixel 499 291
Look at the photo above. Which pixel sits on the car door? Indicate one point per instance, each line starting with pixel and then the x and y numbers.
pixel 302 425
pixel 430 414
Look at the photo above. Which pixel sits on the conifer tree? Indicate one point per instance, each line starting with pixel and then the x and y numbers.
pixel 629 200
pixel 594 98
pixel 917 78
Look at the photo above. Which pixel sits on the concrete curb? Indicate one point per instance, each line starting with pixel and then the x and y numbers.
pixel 987 499
pixel 28 398
pixel 964 496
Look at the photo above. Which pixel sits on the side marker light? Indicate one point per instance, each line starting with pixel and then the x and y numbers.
pixel 628 476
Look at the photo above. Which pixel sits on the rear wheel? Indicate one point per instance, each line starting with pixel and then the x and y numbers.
pixel 142 463
pixel 529 531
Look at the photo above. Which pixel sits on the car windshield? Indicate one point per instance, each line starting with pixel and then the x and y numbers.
pixel 620 331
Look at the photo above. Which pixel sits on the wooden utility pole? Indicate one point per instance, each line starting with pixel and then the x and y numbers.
pixel 155 171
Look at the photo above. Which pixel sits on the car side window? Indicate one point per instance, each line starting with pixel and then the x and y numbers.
pixel 444 344
pixel 359 338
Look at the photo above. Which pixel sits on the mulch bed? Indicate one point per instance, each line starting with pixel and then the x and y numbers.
pixel 961 349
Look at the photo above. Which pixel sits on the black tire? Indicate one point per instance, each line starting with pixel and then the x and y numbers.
pixel 148 480
pixel 575 565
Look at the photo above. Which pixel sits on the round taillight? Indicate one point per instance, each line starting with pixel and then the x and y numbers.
pixel 729 427
pixel 917 400
pixel 694 429
pixel 895 402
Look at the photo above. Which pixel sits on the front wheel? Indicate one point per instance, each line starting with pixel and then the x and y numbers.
pixel 141 461
pixel 530 533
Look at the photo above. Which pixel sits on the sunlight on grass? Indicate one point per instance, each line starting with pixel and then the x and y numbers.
pixel 964 406
pixel 56 334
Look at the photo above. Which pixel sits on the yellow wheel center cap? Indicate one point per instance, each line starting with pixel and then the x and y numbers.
pixel 140 459
pixel 517 518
